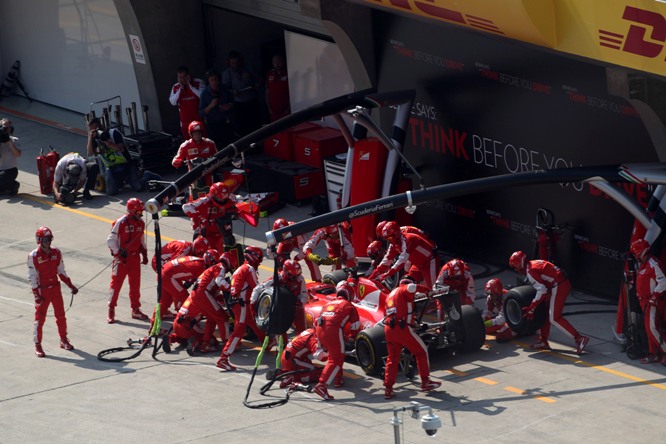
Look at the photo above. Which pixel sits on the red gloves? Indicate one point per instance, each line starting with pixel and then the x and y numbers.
pixel 68 281
pixel 38 297
pixel 529 311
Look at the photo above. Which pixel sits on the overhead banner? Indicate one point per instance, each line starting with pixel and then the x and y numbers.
pixel 487 107
pixel 620 32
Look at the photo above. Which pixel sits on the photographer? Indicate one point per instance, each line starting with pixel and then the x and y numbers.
pixel 69 176
pixel 9 153
pixel 110 145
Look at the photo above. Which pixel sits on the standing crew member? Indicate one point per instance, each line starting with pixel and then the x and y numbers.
pixel 650 288
pixel 185 94
pixel 243 282
pixel 126 242
pixel 211 211
pixel 330 331
pixel 196 147
pixel 338 246
pixel 399 332
pixel 457 275
pixel 45 266
pixel 407 250
pixel 295 243
pixel 552 287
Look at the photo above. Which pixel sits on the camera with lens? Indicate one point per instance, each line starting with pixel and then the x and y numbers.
pixel 67 194
pixel 70 182
pixel 5 132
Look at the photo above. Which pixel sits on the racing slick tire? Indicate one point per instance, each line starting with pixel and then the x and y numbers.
pixel 475 331
pixel 283 310
pixel 371 350
pixel 514 301
pixel 334 277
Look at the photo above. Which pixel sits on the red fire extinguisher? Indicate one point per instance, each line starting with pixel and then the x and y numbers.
pixel 46 169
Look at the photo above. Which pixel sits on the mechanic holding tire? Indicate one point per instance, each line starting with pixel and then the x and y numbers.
pixel 553 287
pixel 399 331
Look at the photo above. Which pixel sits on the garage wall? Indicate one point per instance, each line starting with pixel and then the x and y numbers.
pixel 71 52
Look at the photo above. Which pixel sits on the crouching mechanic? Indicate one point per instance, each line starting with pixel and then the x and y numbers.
pixel 243 282
pixel 207 298
pixel 69 176
pixel 399 331
pixel 493 313
pixel 650 288
pixel 297 357
pixel 330 331
pixel 45 266
pixel 179 248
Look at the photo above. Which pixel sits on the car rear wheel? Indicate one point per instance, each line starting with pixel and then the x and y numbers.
pixel 371 349
pixel 514 301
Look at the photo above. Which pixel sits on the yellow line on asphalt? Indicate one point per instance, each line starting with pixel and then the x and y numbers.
pixel 486 381
pixel 523 392
pixel 457 372
pixel 601 368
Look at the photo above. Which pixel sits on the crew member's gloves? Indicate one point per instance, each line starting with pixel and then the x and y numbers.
pixel 144 259
pixel 653 300
pixel 122 253
pixel 388 274
pixel 529 311
pixel 38 297
pixel 314 258
pixel 74 289
pixel 488 323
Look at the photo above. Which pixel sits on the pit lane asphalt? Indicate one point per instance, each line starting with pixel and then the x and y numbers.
pixel 502 393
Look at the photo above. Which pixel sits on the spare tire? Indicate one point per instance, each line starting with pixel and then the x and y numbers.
pixel 514 301
pixel 282 310
pixel 334 277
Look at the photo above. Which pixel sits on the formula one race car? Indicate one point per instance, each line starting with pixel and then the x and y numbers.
pixel 461 329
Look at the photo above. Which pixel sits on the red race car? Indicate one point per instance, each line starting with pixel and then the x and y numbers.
pixel 461 329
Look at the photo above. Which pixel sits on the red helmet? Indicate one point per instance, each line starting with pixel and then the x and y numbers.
pixel 518 261
pixel 280 223
pixel 194 126
pixel 226 260
pixel 219 192
pixel 639 248
pixel 43 234
pixel 456 268
pixel 135 207
pixel 331 229
pixel 253 255
pixel 380 227
pixel 391 230
pixel 211 257
pixel 375 249
pixel 199 246
pixel 344 290
pixel 494 287
pixel 292 268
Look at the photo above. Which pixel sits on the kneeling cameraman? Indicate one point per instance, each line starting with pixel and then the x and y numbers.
pixel 69 176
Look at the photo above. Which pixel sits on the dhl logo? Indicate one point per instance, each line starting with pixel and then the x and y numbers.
pixel 429 8
pixel 646 35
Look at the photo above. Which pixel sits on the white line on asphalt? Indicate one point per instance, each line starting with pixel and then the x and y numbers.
pixel 16 300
